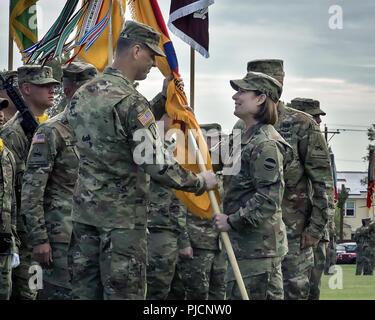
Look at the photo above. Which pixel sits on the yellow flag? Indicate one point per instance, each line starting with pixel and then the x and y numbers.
pixel 102 48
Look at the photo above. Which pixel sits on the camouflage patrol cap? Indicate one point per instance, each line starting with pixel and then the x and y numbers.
pixel 144 34
pixel 7 75
pixel 309 106
pixel 257 81
pixel 272 67
pixel 211 129
pixel 36 74
pixel 3 103
pixel 78 71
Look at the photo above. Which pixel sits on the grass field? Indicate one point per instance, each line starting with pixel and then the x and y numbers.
pixel 349 286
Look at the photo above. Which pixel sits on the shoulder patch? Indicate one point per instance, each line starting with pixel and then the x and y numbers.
pixel 269 164
pixel 39 138
pixel 146 117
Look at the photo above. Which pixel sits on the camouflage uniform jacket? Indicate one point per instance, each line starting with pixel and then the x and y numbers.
pixel 252 198
pixel 110 120
pixel 17 142
pixel 48 182
pixel 305 203
pixel 166 212
pixel 362 238
pixel 371 233
pixel 8 203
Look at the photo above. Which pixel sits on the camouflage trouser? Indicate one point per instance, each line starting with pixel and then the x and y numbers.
pixel 204 276
pixel 296 267
pixel 162 258
pixel 368 261
pixel 263 279
pixel 5 277
pixel 56 279
pixel 360 263
pixel 330 259
pixel 177 291
pixel 21 276
pixel 317 271
pixel 107 263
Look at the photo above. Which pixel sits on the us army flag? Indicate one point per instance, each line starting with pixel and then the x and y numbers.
pixel 23 23
pixel 188 20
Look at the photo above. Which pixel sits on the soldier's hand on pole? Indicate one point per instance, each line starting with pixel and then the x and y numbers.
pixel 221 222
pixel 210 180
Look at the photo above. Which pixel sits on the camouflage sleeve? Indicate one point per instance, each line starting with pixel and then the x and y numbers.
pixel 38 168
pixel 265 165
pixel 318 170
pixel 148 150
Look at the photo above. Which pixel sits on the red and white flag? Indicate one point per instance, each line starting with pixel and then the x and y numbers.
pixel 188 20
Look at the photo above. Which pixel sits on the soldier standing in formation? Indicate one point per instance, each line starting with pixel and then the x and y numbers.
pixel 37 86
pixel 47 190
pixel 363 261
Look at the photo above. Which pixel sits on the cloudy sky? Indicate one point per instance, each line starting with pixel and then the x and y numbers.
pixel 335 66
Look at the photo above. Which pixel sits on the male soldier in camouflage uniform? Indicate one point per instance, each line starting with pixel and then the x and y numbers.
pixel 363 260
pixel 312 107
pixel 37 87
pixel 371 232
pixel 47 190
pixel 8 235
pixel 116 137
pixel 8 111
pixel 305 202
pixel 203 274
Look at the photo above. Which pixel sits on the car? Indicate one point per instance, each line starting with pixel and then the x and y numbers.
pixel 346 252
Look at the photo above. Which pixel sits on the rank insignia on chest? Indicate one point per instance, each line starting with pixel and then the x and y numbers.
pixel 146 117
pixel 39 138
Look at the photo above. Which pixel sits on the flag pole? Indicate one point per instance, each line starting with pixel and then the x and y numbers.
pixel 224 235
pixel 192 77
pixel 110 35
pixel 10 44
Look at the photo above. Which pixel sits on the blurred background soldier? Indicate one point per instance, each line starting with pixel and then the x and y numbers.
pixel 363 250
pixel 372 244
pixel 37 86
pixel 312 107
pixel 8 236
pixel 203 270
pixel 47 190
pixel 8 111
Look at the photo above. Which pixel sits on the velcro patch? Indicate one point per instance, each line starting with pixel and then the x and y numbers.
pixel 269 164
pixel 39 138
pixel 146 117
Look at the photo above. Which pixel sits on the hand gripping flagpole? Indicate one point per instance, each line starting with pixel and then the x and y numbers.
pixel 224 235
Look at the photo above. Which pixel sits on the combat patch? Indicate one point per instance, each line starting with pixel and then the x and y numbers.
pixel 146 117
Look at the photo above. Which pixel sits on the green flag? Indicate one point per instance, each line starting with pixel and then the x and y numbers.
pixel 23 23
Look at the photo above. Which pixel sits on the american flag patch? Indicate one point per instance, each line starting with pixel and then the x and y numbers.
pixel 146 117
pixel 39 138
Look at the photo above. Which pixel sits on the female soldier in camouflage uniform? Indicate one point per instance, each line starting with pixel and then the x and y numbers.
pixel 252 197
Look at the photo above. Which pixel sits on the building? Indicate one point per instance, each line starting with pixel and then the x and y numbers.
pixel 355 207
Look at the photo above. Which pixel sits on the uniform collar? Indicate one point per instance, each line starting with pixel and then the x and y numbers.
pixel 248 134
pixel 117 73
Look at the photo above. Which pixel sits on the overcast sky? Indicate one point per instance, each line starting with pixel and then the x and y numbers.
pixel 335 66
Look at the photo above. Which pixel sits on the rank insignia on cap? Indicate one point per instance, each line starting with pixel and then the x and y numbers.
pixel 146 117
pixel 39 138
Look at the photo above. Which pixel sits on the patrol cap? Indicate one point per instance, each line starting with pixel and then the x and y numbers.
pixel 3 103
pixel 211 129
pixel 309 106
pixel 78 71
pixel 272 67
pixel 144 34
pixel 9 75
pixel 257 81
pixel 36 74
